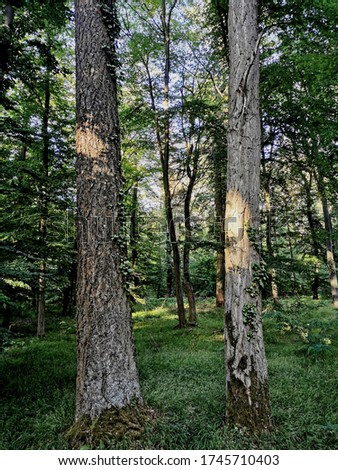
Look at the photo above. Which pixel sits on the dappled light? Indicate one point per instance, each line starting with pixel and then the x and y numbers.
pixel 169 193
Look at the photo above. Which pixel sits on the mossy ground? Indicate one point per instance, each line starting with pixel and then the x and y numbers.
pixel 182 379
pixel 125 423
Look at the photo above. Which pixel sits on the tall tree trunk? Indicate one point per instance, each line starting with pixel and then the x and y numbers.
pixel 43 200
pixel 247 397
pixel 164 150
pixel 165 159
pixel 330 260
pixel 106 373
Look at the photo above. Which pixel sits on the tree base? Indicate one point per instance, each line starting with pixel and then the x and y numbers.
pixel 112 424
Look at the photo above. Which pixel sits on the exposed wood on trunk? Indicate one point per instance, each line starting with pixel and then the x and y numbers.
pixel 106 374
pixel 247 397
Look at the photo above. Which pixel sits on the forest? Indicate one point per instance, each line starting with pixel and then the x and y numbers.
pixel 168 220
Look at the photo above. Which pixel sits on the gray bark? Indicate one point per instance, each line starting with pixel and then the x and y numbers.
pixel 106 374
pixel 247 398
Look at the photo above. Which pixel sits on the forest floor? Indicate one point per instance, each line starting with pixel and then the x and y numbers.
pixel 182 379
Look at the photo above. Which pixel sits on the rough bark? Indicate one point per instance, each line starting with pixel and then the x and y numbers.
pixel 247 397
pixel 106 374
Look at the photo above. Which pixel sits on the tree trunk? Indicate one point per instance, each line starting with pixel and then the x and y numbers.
pixel 316 248
pixel 69 291
pixel 292 259
pixel 164 150
pixel 169 267
pixel 330 260
pixel 134 226
pixel 219 229
pixel 222 16
pixel 192 175
pixel 5 46
pixel 106 374
pixel 43 200
pixel 247 397
pixel 165 158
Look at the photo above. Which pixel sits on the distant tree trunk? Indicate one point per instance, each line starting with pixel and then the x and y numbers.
pixel 43 200
pixel 268 233
pixel 316 248
pixel 222 11
pixel 268 220
pixel 106 373
pixel 169 266
pixel 219 229
pixel 5 45
pixel 134 226
pixel 192 157
pixel 331 263
pixel 165 159
pixel 292 258
pixel 164 150
pixel 70 290
pixel 247 397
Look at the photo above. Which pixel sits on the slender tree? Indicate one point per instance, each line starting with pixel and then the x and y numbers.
pixel 247 397
pixel 106 375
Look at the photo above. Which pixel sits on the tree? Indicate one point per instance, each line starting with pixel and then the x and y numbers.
pixel 107 375
pixel 300 101
pixel 37 155
pixel 247 397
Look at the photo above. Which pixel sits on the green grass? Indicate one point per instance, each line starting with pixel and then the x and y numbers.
pixel 182 379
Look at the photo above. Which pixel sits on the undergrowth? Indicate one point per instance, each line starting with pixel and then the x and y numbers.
pixel 182 379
